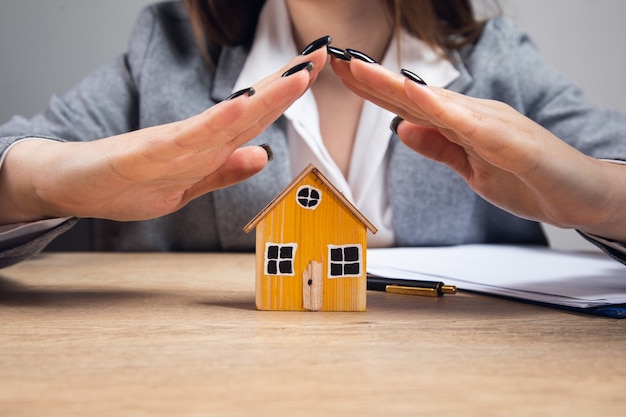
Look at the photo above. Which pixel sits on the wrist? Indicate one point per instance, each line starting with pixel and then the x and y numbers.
pixel 612 204
pixel 20 191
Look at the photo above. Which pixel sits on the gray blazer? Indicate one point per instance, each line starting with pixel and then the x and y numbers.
pixel 163 78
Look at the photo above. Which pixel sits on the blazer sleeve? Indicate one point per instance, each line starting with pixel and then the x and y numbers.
pixel 103 104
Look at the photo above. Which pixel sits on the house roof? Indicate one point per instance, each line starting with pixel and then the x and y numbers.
pixel 308 170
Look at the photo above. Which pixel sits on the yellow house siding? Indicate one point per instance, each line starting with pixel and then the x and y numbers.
pixel 312 230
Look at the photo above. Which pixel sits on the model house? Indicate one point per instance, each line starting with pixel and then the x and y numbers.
pixel 311 246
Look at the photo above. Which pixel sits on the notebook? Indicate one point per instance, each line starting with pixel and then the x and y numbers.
pixel 590 282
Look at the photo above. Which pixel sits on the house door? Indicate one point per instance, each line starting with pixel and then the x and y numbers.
pixel 312 286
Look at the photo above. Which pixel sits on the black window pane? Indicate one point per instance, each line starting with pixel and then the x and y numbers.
pixel 272 268
pixel 285 267
pixel 309 197
pixel 336 255
pixel 272 252
pixel 286 252
pixel 351 253
pixel 351 269
pixel 336 270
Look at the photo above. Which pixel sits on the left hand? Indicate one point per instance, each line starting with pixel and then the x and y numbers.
pixel 154 171
pixel 504 156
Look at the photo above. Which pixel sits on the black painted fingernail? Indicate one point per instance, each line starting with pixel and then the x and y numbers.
pixel 249 91
pixel 412 76
pixel 394 124
pixel 316 44
pixel 360 55
pixel 268 150
pixel 308 65
pixel 338 53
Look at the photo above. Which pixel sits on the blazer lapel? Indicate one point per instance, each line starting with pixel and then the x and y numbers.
pixel 235 206
pixel 229 65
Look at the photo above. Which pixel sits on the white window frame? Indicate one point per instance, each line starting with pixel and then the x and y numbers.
pixel 344 262
pixel 311 188
pixel 292 245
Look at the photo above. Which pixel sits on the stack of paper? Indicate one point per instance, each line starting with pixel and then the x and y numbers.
pixel 572 279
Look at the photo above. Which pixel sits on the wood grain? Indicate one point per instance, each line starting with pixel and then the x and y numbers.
pixel 178 334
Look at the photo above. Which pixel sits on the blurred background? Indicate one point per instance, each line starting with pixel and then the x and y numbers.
pixel 46 46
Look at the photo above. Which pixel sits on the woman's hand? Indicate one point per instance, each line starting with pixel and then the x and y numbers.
pixel 505 157
pixel 150 172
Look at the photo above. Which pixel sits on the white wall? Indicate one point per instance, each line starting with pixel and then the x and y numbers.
pixel 583 39
pixel 47 45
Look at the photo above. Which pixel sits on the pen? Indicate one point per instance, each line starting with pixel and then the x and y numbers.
pixel 409 286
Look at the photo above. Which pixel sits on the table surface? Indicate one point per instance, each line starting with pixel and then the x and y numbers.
pixel 178 334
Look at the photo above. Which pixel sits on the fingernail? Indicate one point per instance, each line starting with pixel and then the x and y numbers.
pixel 249 91
pixel 338 53
pixel 316 44
pixel 308 65
pixel 360 55
pixel 268 150
pixel 395 123
pixel 412 76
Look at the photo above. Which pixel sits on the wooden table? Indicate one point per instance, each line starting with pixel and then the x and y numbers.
pixel 177 334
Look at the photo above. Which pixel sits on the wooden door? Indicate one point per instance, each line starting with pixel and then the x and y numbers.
pixel 312 286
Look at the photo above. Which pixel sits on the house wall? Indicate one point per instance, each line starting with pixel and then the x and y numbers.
pixel 330 223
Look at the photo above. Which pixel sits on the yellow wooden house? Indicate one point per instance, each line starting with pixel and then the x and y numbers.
pixel 311 246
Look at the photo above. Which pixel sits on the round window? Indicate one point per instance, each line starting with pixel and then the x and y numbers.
pixel 308 197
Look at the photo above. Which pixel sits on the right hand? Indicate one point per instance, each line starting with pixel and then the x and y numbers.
pixel 507 158
pixel 150 172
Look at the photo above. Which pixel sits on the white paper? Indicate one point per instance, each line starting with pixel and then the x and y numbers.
pixel 536 273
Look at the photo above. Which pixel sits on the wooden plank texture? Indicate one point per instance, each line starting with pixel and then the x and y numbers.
pixel 178 334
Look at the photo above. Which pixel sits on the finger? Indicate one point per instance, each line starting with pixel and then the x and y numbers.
pixel 432 144
pixel 370 81
pixel 492 183
pixel 228 119
pixel 379 85
pixel 272 96
pixel 319 58
pixel 379 81
pixel 492 129
pixel 444 108
pixel 239 120
pixel 239 166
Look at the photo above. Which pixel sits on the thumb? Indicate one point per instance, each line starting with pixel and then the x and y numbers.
pixel 242 164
